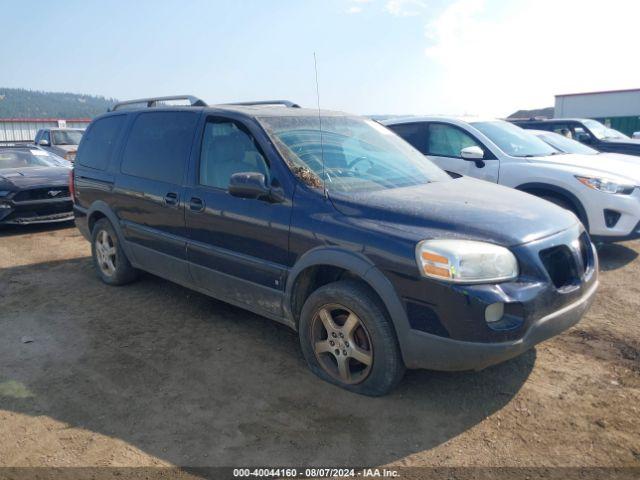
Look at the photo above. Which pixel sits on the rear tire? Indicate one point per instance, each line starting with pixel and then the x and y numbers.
pixel 347 339
pixel 110 261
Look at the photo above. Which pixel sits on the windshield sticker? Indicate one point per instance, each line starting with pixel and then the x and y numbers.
pixel 39 153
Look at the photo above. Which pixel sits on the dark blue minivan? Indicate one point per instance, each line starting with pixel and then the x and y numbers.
pixel 334 226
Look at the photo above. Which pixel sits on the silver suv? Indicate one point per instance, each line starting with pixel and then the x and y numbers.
pixel 61 141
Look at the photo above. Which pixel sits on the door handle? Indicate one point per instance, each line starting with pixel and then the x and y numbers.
pixel 171 199
pixel 196 204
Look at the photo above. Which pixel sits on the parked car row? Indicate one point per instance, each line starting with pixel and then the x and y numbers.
pixel 587 131
pixel 33 185
pixel 426 242
pixel 60 141
pixel 335 226
pixel 600 189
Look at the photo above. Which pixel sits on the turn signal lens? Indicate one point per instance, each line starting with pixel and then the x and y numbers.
pixel 435 264
pixel 465 261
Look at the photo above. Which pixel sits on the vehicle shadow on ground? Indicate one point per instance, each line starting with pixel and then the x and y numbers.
pixel 613 256
pixel 197 382
pixel 11 230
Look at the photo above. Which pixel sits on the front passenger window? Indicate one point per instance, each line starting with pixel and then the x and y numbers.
pixel 447 141
pixel 228 148
pixel 562 129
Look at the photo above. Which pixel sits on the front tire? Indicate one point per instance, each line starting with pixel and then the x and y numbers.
pixel 562 203
pixel 110 261
pixel 347 339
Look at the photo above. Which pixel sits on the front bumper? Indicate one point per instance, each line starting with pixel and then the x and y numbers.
pixel 54 218
pixel 633 235
pixel 627 207
pixel 36 211
pixel 447 327
pixel 422 350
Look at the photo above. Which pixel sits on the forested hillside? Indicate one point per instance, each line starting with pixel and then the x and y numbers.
pixel 21 103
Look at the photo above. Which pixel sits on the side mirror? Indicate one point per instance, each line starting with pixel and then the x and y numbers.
pixel 248 185
pixel 44 143
pixel 635 135
pixel 472 153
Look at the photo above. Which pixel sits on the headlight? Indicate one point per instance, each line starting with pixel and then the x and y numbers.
pixel 4 193
pixel 606 185
pixel 465 261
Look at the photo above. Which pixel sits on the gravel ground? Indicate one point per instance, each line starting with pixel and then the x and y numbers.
pixel 154 374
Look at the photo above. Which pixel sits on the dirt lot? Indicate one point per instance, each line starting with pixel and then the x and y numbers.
pixel 154 374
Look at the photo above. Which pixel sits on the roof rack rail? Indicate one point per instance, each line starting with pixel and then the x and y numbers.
pixel 153 101
pixel 286 103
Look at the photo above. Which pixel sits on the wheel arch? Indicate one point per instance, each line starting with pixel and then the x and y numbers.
pixel 538 189
pixel 356 266
pixel 100 209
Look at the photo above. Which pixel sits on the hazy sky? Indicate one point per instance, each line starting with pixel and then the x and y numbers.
pixel 486 57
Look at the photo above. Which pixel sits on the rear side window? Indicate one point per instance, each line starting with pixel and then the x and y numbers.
pixel 159 145
pixel 414 133
pixel 98 143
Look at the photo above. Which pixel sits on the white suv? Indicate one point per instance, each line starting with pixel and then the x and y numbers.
pixel 605 196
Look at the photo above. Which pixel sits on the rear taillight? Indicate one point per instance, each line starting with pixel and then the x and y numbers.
pixel 72 186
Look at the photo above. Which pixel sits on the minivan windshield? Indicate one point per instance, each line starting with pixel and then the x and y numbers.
pixel 565 144
pixel 67 137
pixel 352 154
pixel 513 140
pixel 601 132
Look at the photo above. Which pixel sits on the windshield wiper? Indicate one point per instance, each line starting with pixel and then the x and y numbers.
pixel 531 155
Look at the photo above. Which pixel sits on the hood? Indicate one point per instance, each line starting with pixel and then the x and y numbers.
pixel 460 208
pixel 624 141
pixel 621 145
pixel 605 164
pixel 620 157
pixel 32 177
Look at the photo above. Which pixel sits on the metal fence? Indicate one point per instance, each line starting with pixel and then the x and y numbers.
pixel 25 129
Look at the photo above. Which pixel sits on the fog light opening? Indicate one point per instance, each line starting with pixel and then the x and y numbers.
pixel 494 312
pixel 611 218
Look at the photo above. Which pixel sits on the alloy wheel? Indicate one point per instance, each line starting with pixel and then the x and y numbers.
pixel 342 344
pixel 105 253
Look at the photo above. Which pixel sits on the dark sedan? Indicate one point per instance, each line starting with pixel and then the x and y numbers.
pixel 587 131
pixel 33 186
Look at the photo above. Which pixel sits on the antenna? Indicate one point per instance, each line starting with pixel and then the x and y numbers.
pixel 324 181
